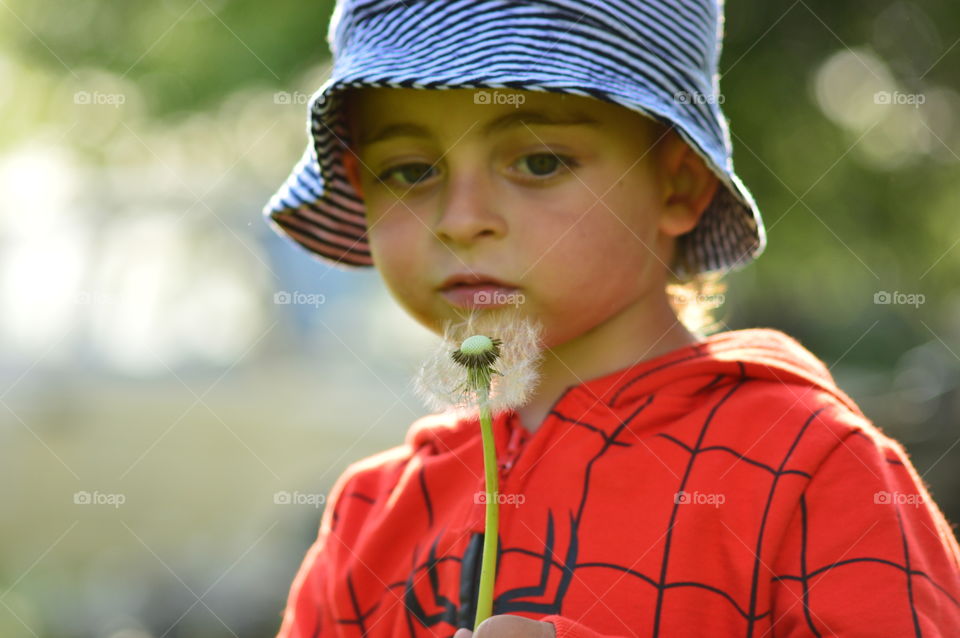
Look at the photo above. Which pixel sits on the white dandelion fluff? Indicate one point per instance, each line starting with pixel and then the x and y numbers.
pixel 442 384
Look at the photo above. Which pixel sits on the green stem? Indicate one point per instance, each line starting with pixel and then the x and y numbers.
pixel 488 564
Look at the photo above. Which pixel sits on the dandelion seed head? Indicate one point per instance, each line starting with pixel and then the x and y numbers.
pixel 477 344
pixel 477 354
pixel 441 382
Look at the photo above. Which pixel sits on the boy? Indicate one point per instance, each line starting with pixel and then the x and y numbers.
pixel 569 159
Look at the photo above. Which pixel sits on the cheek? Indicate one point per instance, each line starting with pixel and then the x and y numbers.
pixel 589 238
pixel 392 229
pixel 392 256
pixel 626 231
pixel 587 270
pixel 395 243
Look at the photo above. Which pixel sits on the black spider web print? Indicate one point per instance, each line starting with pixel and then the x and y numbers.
pixel 435 603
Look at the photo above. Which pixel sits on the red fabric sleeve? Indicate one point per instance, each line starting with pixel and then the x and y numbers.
pixel 868 552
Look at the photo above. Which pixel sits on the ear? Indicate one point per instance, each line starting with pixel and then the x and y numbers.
pixel 351 164
pixel 688 185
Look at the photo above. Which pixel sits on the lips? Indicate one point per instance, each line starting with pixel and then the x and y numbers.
pixel 474 290
pixel 473 279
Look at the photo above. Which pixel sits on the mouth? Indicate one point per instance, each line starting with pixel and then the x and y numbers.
pixel 473 279
pixel 479 291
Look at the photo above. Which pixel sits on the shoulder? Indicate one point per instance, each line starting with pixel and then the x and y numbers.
pixel 366 484
pixel 361 489
pixel 787 422
pixel 368 478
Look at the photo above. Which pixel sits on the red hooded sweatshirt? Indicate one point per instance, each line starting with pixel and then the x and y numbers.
pixel 726 488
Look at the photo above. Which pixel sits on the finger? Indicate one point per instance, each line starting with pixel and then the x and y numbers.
pixel 463 633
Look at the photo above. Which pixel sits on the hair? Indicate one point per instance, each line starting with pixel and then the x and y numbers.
pixel 694 299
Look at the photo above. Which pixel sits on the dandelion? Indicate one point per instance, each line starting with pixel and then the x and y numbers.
pixel 441 384
pixel 462 373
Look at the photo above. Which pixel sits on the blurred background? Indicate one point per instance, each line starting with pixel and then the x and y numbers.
pixel 168 427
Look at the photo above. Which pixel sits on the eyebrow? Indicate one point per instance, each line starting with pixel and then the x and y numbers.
pixel 510 120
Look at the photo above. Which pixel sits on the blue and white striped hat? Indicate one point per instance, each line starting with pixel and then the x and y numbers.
pixel 656 57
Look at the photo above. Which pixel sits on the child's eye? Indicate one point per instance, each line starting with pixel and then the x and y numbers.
pixel 415 173
pixel 540 165
pixel 545 164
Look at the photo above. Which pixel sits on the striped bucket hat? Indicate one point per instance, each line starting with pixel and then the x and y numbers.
pixel 656 57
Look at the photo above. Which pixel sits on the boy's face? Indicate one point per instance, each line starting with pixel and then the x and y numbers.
pixel 579 218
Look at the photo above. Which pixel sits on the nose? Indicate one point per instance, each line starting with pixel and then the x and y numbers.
pixel 468 212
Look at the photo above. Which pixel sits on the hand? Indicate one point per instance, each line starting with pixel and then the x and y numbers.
pixel 507 626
